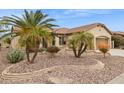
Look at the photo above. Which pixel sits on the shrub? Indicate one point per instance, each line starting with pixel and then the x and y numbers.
pixel 42 49
pixel 103 47
pixel 52 50
pixel 118 41
pixel 7 40
pixel 15 56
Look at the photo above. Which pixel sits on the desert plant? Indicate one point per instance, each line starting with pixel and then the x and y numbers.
pixel 52 50
pixel 42 49
pixel 79 43
pixel 103 47
pixel 33 26
pixel 7 40
pixel 15 56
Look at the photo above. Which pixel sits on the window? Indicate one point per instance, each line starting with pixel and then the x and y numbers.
pixel 62 41
pixel 53 41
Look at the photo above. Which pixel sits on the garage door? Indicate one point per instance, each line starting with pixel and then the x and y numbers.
pixel 101 40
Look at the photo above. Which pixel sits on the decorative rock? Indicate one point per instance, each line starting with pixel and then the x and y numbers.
pixel 7 75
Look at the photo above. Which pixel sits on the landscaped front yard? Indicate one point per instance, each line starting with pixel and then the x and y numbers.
pixel 36 57
pixel 64 68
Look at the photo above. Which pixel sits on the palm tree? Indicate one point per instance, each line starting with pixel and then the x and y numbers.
pixel 4 27
pixel 79 43
pixel 33 26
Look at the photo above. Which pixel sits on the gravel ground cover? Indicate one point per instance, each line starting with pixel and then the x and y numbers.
pixel 44 61
pixel 114 66
pixel 3 61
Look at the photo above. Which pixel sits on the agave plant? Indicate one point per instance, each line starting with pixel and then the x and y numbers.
pixel 33 26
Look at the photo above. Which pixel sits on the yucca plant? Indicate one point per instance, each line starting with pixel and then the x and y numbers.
pixel 79 43
pixel 33 27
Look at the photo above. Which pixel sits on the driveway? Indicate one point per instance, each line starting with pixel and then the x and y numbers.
pixel 119 79
pixel 117 52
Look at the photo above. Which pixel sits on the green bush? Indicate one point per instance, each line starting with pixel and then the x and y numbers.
pixel 15 56
pixel 53 49
pixel 7 40
pixel 118 41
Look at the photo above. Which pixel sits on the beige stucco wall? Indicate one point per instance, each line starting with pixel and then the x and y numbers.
pixel 100 31
pixel 57 41
pixel 15 44
pixel 97 32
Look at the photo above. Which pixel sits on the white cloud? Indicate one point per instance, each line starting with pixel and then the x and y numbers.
pixel 73 13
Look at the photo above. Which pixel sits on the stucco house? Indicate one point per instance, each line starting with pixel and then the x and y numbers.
pixel 61 35
pixel 100 32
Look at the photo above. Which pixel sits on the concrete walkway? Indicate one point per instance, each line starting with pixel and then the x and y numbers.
pixel 119 79
pixel 117 52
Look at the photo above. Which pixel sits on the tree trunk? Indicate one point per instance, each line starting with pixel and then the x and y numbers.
pixel 34 49
pixel 85 47
pixel 34 56
pixel 80 49
pixel 27 53
pixel 74 50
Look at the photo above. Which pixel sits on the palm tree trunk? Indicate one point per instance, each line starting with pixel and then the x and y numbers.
pixel 27 53
pixel 35 50
pixel 85 47
pixel 80 49
pixel 74 50
pixel 34 56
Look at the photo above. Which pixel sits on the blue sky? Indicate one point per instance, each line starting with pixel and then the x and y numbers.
pixel 112 18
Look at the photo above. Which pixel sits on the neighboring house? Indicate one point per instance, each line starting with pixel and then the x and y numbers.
pixel 61 35
pixel 118 33
pixel 117 39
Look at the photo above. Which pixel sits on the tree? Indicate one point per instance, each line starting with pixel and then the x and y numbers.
pixel 118 41
pixel 33 26
pixel 79 43
pixel 4 27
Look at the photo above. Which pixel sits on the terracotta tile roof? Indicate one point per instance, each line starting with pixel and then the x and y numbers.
pixel 83 28
pixel 118 33
pixel 80 29
pixel 61 31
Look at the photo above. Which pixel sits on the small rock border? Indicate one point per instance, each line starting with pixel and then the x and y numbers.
pixel 7 75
